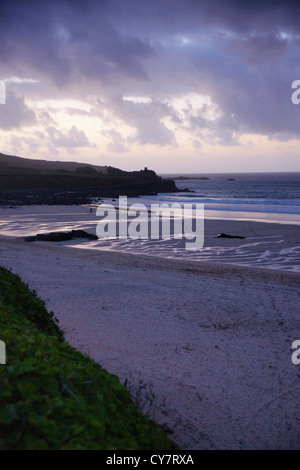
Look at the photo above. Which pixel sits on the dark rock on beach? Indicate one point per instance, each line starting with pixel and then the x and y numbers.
pixel 83 234
pixel 225 235
pixel 61 236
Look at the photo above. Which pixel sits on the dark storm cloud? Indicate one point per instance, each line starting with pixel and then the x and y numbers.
pixel 64 43
pixel 245 55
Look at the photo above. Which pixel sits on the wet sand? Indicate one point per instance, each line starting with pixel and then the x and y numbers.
pixel 267 245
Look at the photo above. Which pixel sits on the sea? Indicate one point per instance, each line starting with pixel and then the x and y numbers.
pixel 273 199
pixel 249 196
pixel 270 199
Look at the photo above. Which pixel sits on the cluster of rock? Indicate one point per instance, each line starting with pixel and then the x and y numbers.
pixel 61 236
pixel 225 235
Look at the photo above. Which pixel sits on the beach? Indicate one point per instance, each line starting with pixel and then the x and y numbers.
pixel 272 245
pixel 203 347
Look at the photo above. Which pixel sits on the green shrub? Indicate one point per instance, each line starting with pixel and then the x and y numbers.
pixel 26 303
pixel 54 397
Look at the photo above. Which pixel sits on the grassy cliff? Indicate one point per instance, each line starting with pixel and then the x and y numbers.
pixel 52 396
pixel 25 181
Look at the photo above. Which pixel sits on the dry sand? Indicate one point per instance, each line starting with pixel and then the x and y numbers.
pixel 204 348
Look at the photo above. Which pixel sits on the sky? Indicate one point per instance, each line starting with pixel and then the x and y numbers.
pixel 179 86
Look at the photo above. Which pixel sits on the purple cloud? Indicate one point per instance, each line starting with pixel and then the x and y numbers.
pixel 244 55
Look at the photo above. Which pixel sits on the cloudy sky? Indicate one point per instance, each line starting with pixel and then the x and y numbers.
pixel 174 85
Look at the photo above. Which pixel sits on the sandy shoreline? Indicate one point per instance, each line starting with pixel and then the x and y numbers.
pixel 204 348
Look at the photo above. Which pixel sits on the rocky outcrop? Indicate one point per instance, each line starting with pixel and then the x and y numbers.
pixel 186 178
pixel 26 186
pixel 225 235
pixel 61 236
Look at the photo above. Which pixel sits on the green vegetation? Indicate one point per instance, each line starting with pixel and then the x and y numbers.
pixel 54 397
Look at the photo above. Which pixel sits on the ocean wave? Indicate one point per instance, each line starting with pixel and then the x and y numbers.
pixel 241 205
